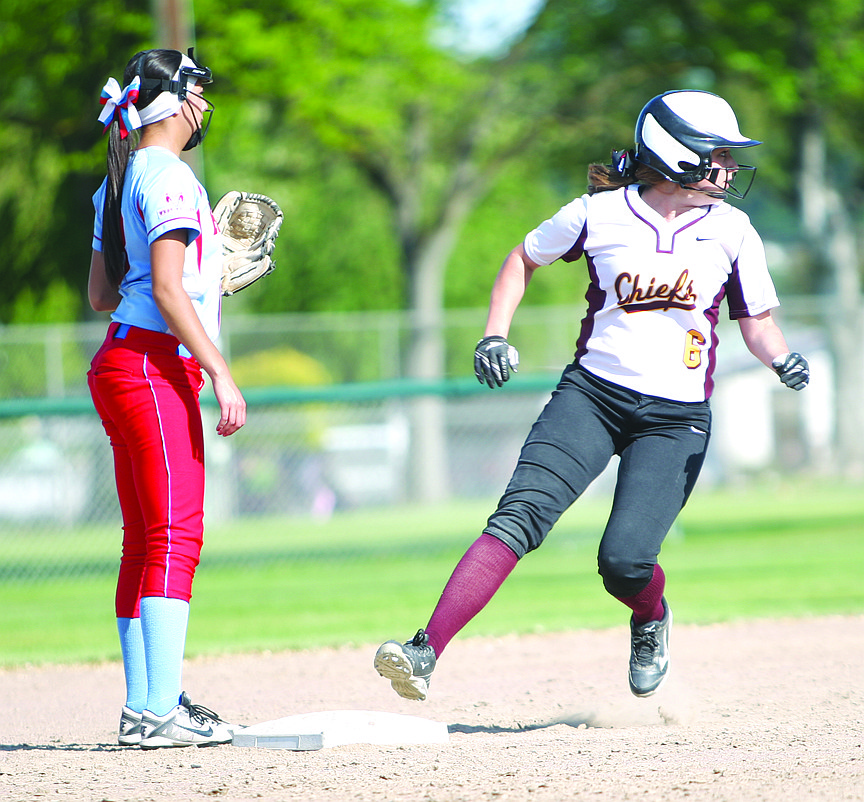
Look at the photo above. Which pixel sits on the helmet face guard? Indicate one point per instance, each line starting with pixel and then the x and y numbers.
pixel 190 70
pixel 206 118
pixel 731 187
pixel 678 131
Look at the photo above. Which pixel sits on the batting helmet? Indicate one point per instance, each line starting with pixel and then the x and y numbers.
pixel 677 131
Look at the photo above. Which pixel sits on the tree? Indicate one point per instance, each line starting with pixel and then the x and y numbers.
pixel 428 133
pixel 55 55
pixel 808 73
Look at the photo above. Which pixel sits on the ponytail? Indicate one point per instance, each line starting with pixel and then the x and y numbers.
pixel 148 63
pixel 113 245
pixel 623 171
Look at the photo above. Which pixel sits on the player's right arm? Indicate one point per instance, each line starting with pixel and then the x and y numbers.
pixel 508 290
pixel 103 297
pixel 494 357
pixel 556 238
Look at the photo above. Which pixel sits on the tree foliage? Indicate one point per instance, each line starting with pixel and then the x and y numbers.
pixel 393 157
pixel 421 133
pixel 54 57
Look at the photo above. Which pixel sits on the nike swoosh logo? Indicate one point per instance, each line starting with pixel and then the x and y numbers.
pixel 203 733
pixel 206 733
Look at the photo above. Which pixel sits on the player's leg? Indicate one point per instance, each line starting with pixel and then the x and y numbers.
pixel 154 399
pixel 167 445
pixel 568 446
pixel 131 562
pixel 150 428
pixel 152 396
pixel 127 597
pixel 168 462
pixel 474 581
pixel 657 473
pixel 169 477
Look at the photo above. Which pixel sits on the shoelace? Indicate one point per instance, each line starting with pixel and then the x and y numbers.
pixel 645 644
pixel 420 639
pixel 198 712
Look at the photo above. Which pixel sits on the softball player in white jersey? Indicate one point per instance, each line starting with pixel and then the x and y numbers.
pixel 663 249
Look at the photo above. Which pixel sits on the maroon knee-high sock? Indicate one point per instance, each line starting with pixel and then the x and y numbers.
pixel 474 581
pixel 647 605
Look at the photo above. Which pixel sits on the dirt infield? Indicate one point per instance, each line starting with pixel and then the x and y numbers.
pixel 766 710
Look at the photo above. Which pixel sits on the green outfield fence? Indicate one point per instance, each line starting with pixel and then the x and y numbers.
pixel 324 450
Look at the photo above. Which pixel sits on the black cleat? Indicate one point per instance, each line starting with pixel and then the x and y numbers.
pixel 649 654
pixel 408 666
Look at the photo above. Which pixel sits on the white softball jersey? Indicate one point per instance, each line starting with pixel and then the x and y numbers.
pixel 656 286
pixel 162 194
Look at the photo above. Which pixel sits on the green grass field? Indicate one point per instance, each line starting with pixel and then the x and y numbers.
pixel 772 550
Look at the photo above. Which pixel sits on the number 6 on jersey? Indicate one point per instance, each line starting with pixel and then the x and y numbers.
pixel 693 349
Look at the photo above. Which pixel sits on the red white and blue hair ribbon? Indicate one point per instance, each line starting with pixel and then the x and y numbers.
pixel 120 105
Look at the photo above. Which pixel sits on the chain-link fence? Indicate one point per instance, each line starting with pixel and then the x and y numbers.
pixel 333 445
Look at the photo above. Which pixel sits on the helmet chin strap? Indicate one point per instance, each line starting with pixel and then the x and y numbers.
pixel 718 192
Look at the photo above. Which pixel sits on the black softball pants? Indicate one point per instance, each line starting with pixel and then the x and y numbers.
pixel 661 445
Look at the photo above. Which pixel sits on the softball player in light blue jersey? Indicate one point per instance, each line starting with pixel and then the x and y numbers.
pixel 156 266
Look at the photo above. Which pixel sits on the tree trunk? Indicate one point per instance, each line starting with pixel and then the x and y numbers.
pixel 428 454
pixel 428 460
pixel 834 242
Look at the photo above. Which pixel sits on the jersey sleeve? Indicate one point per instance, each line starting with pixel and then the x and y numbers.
pixel 750 290
pixel 561 236
pixel 168 202
pixel 98 206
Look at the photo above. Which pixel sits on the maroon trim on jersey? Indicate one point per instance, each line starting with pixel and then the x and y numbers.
pixel 199 241
pixel 735 295
pixel 657 231
pixel 712 315
pixel 596 297
pixel 578 247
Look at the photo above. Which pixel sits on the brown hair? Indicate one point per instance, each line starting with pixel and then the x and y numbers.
pixel 623 171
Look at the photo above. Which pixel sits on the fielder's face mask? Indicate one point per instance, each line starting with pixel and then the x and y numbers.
pixel 175 92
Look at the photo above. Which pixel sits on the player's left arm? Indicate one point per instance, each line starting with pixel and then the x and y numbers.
pixel 766 342
pixel 166 263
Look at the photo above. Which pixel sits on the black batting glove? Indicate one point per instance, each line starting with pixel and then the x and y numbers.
pixel 792 369
pixel 494 358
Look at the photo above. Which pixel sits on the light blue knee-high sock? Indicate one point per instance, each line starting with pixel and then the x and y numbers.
pixel 163 626
pixel 134 665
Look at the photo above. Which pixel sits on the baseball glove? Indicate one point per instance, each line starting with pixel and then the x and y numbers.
pixel 249 224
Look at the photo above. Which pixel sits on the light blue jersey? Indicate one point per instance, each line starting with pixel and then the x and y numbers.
pixel 162 194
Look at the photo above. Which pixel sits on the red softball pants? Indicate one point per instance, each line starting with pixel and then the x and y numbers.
pixel 147 397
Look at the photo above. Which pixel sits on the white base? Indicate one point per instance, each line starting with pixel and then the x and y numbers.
pixel 310 731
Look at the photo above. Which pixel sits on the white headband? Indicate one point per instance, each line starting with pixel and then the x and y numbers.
pixel 164 105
